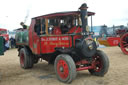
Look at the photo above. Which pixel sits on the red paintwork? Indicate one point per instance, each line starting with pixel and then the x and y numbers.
pixel 62 69
pixel 109 41
pixel 6 36
pixel 75 30
pixel 49 43
pixel 113 41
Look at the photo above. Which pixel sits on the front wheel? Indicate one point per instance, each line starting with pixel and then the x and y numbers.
pixel 65 68
pixel 101 64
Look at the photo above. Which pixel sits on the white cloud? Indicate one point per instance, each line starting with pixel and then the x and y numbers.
pixel 108 12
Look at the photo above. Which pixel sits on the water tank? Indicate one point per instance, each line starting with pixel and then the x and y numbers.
pixel 22 37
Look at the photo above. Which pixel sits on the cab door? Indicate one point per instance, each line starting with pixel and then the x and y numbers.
pixel 34 38
pixel 36 43
pixel 38 31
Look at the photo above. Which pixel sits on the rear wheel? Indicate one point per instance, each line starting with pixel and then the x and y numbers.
pixel 26 60
pixel 65 68
pixel 101 64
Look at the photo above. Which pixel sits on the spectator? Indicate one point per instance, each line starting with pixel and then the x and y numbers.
pixel 4 44
pixel 7 45
pixel 104 36
pixel 12 41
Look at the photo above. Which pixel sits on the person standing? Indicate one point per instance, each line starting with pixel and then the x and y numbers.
pixel 12 42
pixel 4 41
pixel 7 45
pixel 23 25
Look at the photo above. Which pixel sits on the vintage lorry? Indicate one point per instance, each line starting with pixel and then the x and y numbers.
pixel 3 32
pixel 62 39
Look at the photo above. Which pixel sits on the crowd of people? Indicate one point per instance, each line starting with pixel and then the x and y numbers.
pixel 11 43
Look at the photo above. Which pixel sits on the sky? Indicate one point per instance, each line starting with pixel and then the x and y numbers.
pixel 109 12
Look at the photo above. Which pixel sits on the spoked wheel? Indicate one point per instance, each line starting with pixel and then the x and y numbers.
pixel 26 60
pixel 65 68
pixel 101 64
pixel 124 43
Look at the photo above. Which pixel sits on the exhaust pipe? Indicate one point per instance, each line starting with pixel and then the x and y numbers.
pixel 84 17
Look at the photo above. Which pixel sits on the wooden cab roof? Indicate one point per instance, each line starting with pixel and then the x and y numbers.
pixel 70 13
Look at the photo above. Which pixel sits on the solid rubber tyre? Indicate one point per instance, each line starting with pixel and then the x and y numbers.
pixel 65 68
pixel 26 60
pixel 102 65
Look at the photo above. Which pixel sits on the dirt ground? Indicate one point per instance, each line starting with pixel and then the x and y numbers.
pixel 43 74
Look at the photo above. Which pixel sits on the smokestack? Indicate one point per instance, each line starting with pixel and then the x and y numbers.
pixel 84 17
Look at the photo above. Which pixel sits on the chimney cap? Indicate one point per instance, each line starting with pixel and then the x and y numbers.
pixel 83 6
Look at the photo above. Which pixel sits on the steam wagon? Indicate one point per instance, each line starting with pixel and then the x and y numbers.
pixel 62 39
pixel 124 42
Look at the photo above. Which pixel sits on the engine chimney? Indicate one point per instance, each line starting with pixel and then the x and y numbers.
pixel 84 17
